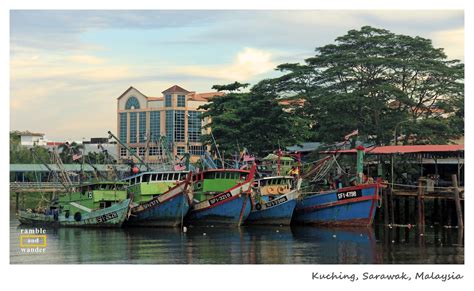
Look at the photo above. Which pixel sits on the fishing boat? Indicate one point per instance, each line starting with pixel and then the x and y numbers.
pixel 348 206
pixel 274 200
pixel 160 198
pixel 100 204
pixel 221 197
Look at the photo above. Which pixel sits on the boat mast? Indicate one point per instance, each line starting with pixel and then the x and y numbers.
pixel 65 185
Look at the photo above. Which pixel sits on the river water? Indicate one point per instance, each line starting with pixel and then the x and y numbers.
pixel 244 245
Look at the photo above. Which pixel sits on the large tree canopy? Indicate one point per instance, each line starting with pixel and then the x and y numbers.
pixel 376 81
pixel 254 120
pixel 369 79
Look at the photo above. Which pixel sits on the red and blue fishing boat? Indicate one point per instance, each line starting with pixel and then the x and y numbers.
pixel 221 197
pixel 274 200
pixel 349 206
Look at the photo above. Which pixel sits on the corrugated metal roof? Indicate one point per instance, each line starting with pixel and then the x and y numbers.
pixel 406 149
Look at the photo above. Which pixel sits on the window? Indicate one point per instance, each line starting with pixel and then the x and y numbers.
pixel 142 123
pixel 180 151
pixel 141 152
pixel 168 100
pixel 181 101
pixel 123 152
pixel 197 150
pixel 133 150
pixel 194 126
pixel 154 151
pixel 132 103
pixel 179 125
pixel 169 125
pixel 123 127
pixel 155 126
pixel 133 127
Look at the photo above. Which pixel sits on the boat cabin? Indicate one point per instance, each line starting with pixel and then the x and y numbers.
pixel 93 196
pixel 277 185
pixel 215 181
pixel 147 185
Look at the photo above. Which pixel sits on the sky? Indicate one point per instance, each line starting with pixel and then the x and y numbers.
pixel 67 67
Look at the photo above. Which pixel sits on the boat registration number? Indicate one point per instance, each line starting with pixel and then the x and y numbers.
pixel 349 194
pixel 276 202
pixel 220 198
pixel 106 217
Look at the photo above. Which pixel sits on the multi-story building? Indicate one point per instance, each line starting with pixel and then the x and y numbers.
pixel 143 121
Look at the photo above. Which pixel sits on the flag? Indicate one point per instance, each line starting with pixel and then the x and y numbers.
pixel 355 132
pixel 76 157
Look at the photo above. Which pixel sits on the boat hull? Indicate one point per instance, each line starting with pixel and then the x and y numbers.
pixel 350 206
pixel 167 213
pixel 112 216
pixel 232 212
pixel 275 212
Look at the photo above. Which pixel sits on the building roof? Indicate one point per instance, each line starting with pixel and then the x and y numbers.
pixel 304 147
pixel 406 149
pixel 175 89
pixel 205 96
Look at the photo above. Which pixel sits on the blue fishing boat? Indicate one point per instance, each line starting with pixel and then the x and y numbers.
pixel 221 197
pixel 349 206
pixel 160 198
pixel 274 200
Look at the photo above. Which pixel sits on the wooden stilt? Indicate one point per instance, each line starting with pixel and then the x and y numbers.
pixel 397 210
pixel 435 213
pixel 457 202
pixel 421 208
pixel 407 210
pixel 385 207
pixel 392 208
pixel 442 213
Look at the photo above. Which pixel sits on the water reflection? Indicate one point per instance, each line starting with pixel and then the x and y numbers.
pixel 245 245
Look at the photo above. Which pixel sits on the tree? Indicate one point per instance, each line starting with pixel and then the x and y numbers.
pixel 68 150
pixel 372 80
pixel 254 120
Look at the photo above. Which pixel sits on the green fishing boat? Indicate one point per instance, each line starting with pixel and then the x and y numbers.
pixel 100 204
pixel 159 198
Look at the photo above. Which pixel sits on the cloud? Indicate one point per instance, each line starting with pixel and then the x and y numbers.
pixel 247 64
pixel 452 41
pixel 86 59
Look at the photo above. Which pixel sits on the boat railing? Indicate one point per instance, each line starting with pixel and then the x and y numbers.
pixel 38 187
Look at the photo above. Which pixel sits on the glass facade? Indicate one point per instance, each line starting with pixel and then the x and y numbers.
pixel 133 127
pixel 132 103
pixel 181 102
pixel 154 151
pixel 155 126
pixel 194 126
pixel 169 125
pixel 142 124
pixel 168 99
pixel 179 126
pixel 123 127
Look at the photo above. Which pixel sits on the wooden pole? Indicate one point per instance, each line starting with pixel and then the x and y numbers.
pixel 385 207
pixel 392 208
pixel 407 210
pixel 421 210
pixel 397 210
pixel 457 201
